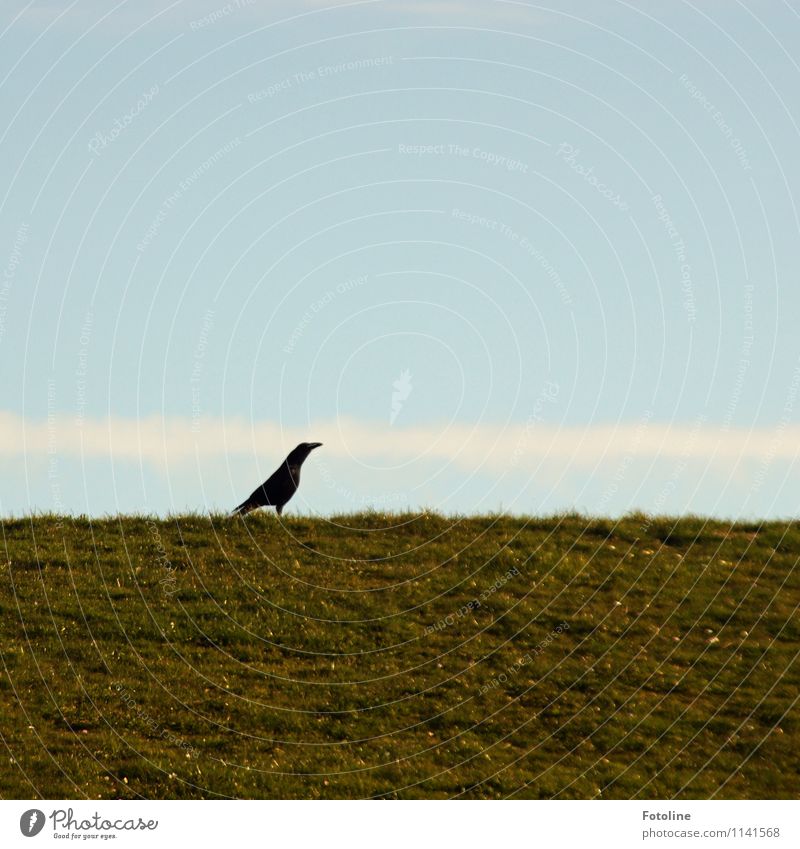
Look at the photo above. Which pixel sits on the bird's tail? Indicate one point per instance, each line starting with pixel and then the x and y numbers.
pixel 243 509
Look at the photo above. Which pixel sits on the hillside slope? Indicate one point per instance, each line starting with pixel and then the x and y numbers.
pixel 399 656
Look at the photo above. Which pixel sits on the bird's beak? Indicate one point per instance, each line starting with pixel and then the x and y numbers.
pixel 314 444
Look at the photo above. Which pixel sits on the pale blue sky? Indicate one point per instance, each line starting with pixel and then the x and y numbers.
pixel 574 227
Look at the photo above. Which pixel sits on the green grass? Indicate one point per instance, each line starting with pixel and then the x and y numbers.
pixel 368 655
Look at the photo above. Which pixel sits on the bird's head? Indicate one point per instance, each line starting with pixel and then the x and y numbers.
pixel 301 452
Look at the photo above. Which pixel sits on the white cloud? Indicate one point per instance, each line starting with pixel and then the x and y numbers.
pixel 173 440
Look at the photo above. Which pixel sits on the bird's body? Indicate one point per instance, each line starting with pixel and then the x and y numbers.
pixel 281 485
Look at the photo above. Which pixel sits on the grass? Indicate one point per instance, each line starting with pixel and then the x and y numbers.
pixel 399 656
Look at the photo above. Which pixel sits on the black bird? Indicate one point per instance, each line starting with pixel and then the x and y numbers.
pixel 281 485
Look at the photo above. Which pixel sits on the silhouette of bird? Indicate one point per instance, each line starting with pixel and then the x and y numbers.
pixel 281 485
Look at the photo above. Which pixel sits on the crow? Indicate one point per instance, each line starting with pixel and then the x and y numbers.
pixel 281 485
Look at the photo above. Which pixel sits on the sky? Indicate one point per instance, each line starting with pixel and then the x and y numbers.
pixel 496 256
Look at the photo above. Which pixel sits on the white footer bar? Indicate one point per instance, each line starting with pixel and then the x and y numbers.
pixel 402 825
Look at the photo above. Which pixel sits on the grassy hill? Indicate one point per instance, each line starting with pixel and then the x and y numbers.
pixel 402 656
